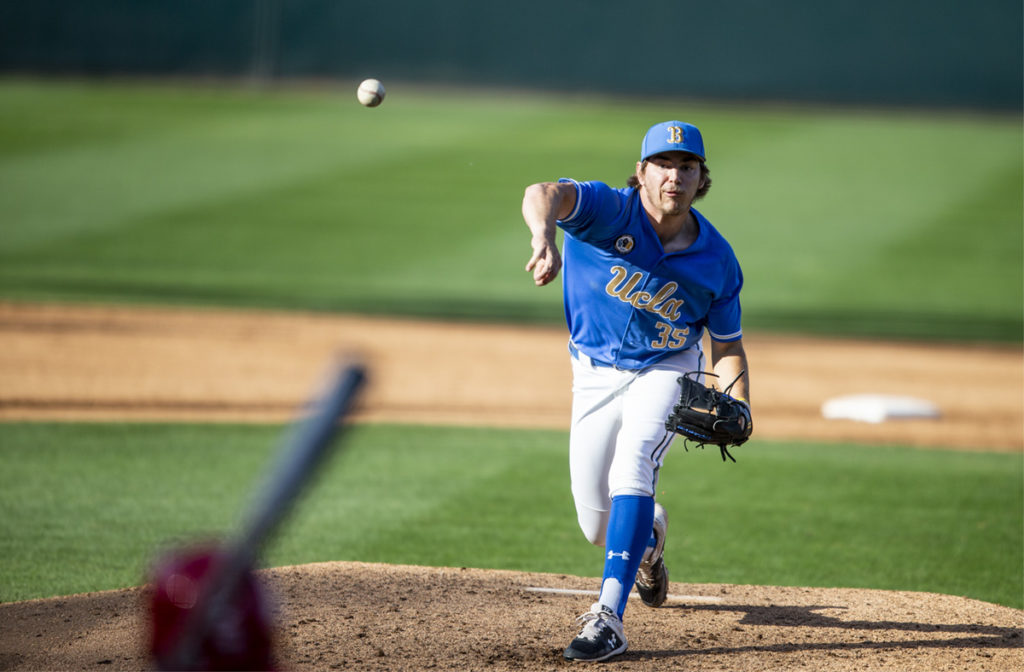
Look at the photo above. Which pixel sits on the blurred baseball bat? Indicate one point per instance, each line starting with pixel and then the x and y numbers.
pixel 304 447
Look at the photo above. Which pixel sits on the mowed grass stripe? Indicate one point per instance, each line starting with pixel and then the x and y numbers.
pixel 86 506
pixel 305 199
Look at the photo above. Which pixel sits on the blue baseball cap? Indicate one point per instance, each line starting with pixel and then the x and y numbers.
pixel 672 136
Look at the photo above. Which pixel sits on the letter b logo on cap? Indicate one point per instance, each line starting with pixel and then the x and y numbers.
pixel 669 136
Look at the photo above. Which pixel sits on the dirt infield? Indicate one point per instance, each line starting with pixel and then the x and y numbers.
pixel 353 616
pixel 101 363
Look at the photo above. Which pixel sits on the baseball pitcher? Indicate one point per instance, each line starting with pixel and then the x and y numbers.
pixel 644 275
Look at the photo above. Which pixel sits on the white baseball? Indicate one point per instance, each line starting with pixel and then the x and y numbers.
pixel 370 92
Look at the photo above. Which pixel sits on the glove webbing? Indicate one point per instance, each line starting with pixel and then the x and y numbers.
pixel 697 438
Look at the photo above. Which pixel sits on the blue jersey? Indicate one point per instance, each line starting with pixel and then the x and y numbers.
pixel 627 302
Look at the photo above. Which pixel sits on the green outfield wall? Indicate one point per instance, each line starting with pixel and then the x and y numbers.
pixel 955 53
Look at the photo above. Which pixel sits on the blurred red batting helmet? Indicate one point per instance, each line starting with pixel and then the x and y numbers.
pixel 238 639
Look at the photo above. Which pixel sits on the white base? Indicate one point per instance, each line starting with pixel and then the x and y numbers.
pixel 877 408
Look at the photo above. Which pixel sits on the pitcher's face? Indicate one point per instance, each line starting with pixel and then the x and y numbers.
pixel 669 182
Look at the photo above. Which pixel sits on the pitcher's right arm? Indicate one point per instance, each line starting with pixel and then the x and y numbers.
pixel 544 204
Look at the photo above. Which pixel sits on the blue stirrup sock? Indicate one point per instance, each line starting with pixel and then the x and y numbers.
pixel 629 530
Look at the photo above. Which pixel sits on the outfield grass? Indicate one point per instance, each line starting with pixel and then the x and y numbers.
pixel 86 506
pixel 853 222
pixel 846 222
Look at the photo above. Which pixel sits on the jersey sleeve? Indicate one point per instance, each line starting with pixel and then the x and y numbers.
pixel 723 320
pixel 598 214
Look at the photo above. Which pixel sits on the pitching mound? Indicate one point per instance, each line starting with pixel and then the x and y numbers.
pixel 355 616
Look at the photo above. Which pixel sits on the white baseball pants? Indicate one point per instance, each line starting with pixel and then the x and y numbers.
pixel 618 440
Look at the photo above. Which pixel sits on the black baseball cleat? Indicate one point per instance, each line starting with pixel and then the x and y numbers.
pixel 600 638
pixel 652 575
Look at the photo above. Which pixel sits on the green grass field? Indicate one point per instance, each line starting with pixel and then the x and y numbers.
pixel 872 223
pixel 85 505
pixel 854 222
